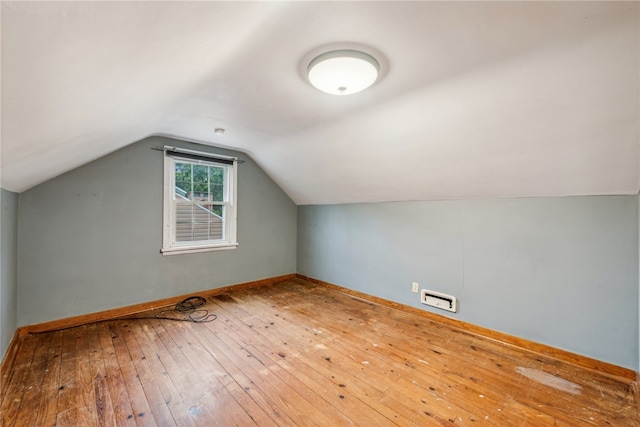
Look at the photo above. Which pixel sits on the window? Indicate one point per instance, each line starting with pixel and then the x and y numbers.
pixel 199 202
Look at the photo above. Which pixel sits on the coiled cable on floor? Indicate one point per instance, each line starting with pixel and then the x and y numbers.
pixel 189 307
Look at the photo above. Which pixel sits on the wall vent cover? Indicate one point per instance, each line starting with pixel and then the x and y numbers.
pixel 439 300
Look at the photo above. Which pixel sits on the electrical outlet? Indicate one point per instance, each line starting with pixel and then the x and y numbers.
pixel 415 287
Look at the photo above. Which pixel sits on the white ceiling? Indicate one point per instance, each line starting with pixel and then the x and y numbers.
pixel 478 100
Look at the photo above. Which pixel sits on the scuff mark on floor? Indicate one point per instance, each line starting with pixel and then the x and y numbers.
pixel 550 380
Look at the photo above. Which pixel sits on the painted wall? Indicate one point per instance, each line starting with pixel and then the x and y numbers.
pixel 89 240
pixel 559 271
pixel 8 268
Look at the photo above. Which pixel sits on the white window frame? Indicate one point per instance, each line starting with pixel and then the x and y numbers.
pixel 169 244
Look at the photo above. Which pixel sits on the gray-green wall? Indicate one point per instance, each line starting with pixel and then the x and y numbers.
pixel 8 268
pixel 559 271
pixel 89 240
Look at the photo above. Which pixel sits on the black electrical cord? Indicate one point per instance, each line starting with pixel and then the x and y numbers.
pixel 189 308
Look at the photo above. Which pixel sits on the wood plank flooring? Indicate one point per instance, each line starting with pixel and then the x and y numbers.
pixel 298 354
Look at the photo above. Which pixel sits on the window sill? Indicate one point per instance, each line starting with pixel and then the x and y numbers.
pixel 179 250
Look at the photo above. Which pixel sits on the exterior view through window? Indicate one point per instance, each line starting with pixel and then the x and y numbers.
pixel 199 204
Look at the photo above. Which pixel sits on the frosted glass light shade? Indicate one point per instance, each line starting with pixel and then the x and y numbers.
pixel 343 72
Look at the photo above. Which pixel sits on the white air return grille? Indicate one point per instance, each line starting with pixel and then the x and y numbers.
pixel 439 300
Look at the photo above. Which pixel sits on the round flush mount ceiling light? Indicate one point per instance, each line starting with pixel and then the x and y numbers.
pixel 343 72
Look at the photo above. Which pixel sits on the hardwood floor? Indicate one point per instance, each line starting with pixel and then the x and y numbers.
pixel 299 354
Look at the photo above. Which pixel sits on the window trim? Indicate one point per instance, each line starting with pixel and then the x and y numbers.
pixel 169 245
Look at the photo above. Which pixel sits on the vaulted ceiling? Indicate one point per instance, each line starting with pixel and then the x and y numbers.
pixel 477 99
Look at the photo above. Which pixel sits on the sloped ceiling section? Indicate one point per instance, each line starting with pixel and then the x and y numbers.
pixel 478 99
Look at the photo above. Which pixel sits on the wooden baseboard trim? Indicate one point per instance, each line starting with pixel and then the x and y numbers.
pixel 7 362
pixel 542 349
pixel 129 310
pixel 636 391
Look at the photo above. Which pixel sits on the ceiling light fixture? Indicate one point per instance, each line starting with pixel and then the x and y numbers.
pixel 343 72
